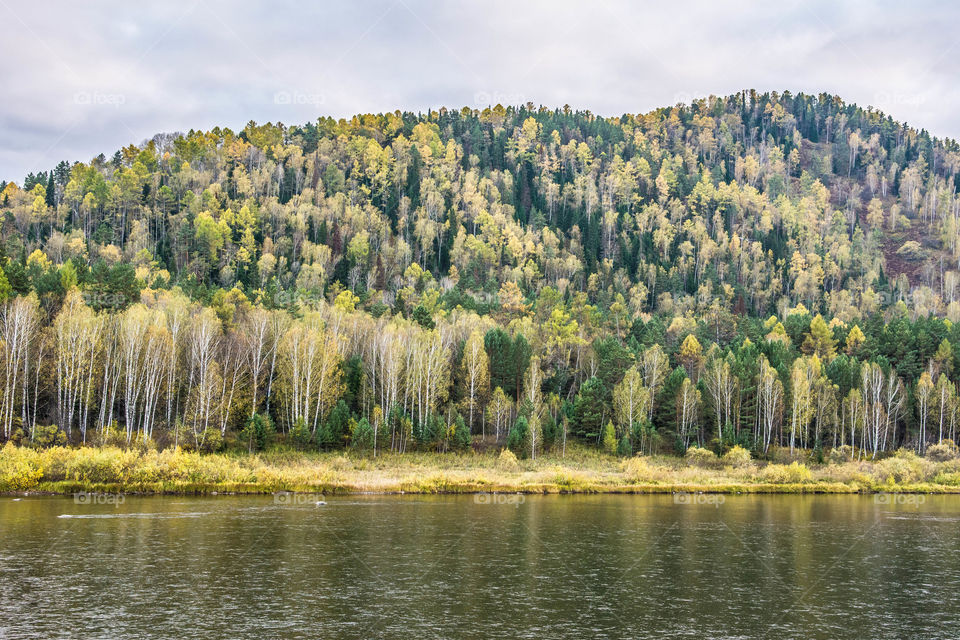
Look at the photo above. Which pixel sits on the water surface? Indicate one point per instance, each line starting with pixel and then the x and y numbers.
pixel 459 567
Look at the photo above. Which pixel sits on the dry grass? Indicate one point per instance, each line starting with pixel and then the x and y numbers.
pixel 582 470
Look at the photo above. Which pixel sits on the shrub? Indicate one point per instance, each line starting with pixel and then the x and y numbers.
pixel 792 473
pixel 782 455
pixel 55 461
pixel 19 468
pixel 737 457
pixel 257 432
pixel 517 438
pixel 507 460
pixel 113 436
pixel 143 444
pixel 212 440
pixel 841 454
pixel 362 436
pixel 460 436
pixel 103 465
pixel 699 457
pixel 903 467
pixel 951 479
pixel 816 456
pixel 332 432
pixel 624 448
pixel 944 451
pixel 300 434
pixel 609 439
pixel 639 469
pixel 48 436
pixel 552 433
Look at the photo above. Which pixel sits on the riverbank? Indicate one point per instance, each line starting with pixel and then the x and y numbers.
pixel 108 469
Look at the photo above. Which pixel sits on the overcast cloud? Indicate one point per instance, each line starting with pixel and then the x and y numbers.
pixel 84 78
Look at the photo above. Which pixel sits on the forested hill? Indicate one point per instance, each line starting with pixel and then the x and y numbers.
pixel 757 201
pixel 732 221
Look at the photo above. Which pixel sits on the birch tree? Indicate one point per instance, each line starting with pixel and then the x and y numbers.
pixel 19 323
pixel 475 375
pixel 688 409
pixel 76 331
pixel 204 375
pixel 655 367
pixel 769 401
pixel 923 393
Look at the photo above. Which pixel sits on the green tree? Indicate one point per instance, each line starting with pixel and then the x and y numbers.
pixel 589 410
pixel 518 438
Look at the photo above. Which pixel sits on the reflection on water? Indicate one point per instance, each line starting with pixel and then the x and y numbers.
pixel 463 567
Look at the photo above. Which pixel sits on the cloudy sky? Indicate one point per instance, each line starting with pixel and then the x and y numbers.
pixel 85 78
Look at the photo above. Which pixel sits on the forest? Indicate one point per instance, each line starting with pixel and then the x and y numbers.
pixel 768 271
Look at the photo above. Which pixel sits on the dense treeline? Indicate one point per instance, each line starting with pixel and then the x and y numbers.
pixel 768 270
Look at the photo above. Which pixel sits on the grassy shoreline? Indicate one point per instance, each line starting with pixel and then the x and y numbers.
pixel 61 470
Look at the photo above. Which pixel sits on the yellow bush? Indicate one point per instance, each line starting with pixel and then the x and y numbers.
pixel 783 455
pixel 507 460
pixel 104 465
pixel 841 454
pixel 56 461
pixel 699 457
pixel 737 457
pixel 637 469
pixel 945 450
pixel 947 478
pixel 849 472
pixel 20 469
pixel 903 467
pixel 792 473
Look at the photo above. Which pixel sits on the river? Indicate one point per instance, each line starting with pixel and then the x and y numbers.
pixel 686 566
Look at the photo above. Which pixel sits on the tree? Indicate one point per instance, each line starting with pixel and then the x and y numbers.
pixel 259 343
pixel 803 376
pixel 631 400
pixel 820 340
pixel 721 384
pixel 688 410
pixel 475 376
pixel 177 314
pixel 855 340
pixel 5 289
pixel 499 348
pixel 533 403
pixel 257 432
pixel 499 409
pixel 923 393
pixel 769 402
pixel 609 439
pixel 944 406
pixel 77 343
pixel 518 439
pixel 612 359
pixel 655 366
pixel 335 427
pixel 381 260
pixel 362 437
pixel 144 348
pixel 508 360
pixel 204 378
pixel 852 416
pixel 690 356
pixel 311 375
pixel 19 323
pixel 942 361
pixel 874 418
pixel 589 410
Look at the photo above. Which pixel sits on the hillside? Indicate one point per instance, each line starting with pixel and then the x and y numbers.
pixel 746 260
